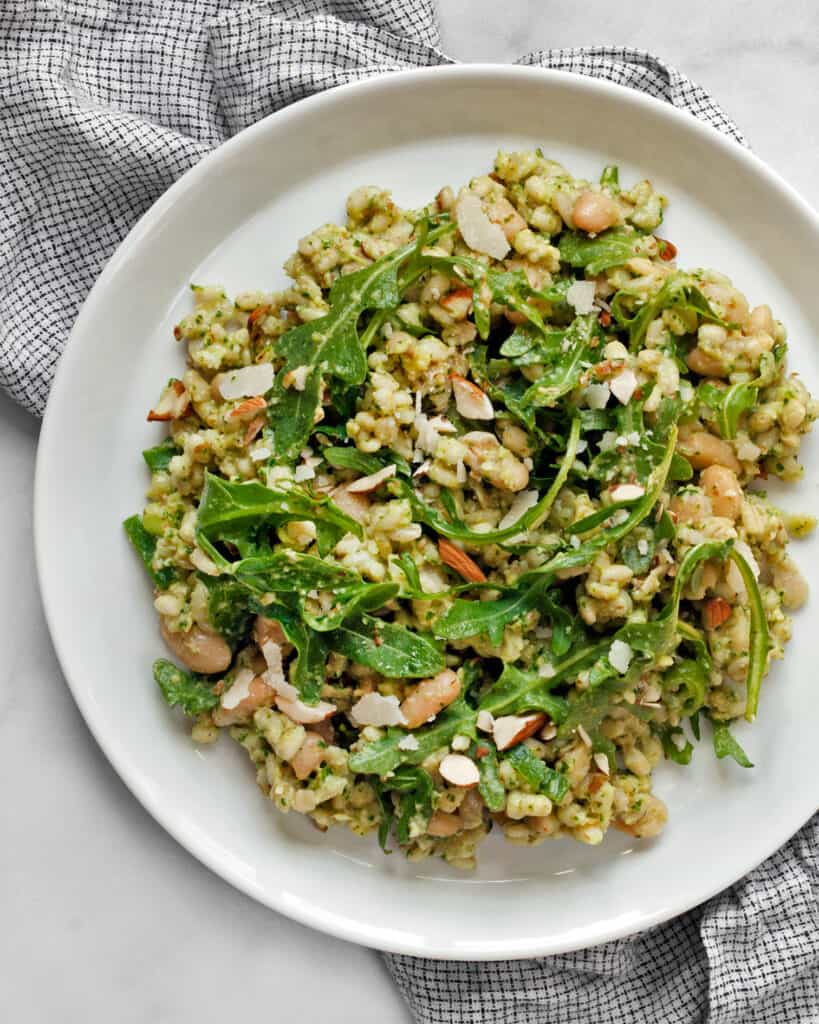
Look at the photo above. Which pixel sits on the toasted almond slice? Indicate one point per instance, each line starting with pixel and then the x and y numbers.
pixel 366 484
pixel 460 561
pixel 602 762
pixel 296 379
pixel 443 425
pixel 249 407
pixel 305 714
pixel 173 402
pixel 254 319
pixel 627 492
pixel 486 721
pixel 457 303
pixel 511 729
pixel 254 428
pixel 470 400
pixel 715 611
pixel 459 770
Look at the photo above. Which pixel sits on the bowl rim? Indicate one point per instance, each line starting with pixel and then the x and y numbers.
pixel 308 914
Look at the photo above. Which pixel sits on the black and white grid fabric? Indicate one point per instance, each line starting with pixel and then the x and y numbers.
pixel 102 106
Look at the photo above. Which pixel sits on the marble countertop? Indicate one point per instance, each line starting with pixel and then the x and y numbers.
pixel 105 917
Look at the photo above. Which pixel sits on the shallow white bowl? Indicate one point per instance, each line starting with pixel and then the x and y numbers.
pixel 233 219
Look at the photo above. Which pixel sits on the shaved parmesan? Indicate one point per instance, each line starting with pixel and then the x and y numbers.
pixel 239 690
pixel 477 230
pixel 596 395
pixel 581 296
pixel 408 742
pixel 620 655
pixel 375 709
pixel 627 492
pixel 623 385
pixel 365 484
pixel 522 503
pixel 247 382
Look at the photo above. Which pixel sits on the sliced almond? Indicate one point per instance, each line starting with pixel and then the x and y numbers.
pixel 442 425
pixel 627 492
pixel 511 729
pixel 255 318
pixel 366 484
pixel 485 721
pixel 250 407
pixel 470 401
pixel 602 762
pixel 173 402
pixel 296 379
pixel 715 611
pixel 459 770
pixel 460 561
pixel 457 303
pixel 254 428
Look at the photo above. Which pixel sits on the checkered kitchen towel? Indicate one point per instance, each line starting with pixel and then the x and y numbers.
pixel 102 105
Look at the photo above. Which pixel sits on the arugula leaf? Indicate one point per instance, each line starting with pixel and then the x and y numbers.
pixel 610 177
pixel 516 691
pixel 679 755
pixel 382 795
pixel 729 403
pixel 384 755
pixel 410 570
pixel 227 510
pixel 759 641
pixel 160 456
pixel 389 648
pixel 144 544
pixel 679 291
pixel 531 519
pixel 330 346
pixel 527 346
pixel 608 249
pixel 230 608
pixel 537 773
pixel 465 618
pixel 685 685
pixel 350 600
pixel 187 690
pixel 288 571
pixel 563 375
pixel 416 789
pixel 639 561
pixel 726 744
pixel 307 671
pixel 485 754
pixel 352 458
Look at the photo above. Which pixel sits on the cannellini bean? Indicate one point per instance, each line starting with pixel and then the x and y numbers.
pixel 310 755
pixel 704 364
pixel 502 212
pixel 722 487
pixel 690 507
pixel 761 320
pixel 703 449
pixel 487 457
pixel 442 825
pixel 790 581
pixel 200 649
pixel 650 823
pixel 259 695
pixel 429 697
pixel 594 212
pixel 731 303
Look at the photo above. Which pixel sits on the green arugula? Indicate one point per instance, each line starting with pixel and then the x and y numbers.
pixel 679 291
pixel 389 648
pixel 160 456
pixel 609 249
pixel 537 773
pixel 187 690
pixel 726 744
pixel 144 544
pixel 485 754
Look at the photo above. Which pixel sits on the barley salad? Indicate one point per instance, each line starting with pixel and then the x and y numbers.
pixel 467 528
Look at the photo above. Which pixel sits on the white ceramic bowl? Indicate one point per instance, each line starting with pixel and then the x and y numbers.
pixel 233 219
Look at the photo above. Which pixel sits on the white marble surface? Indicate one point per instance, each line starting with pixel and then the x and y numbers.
pixel 104 917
